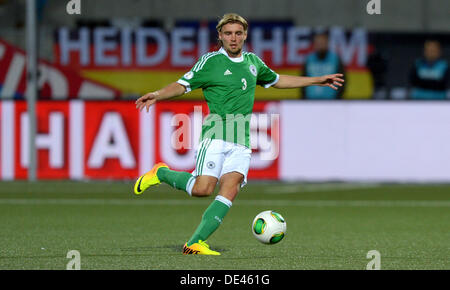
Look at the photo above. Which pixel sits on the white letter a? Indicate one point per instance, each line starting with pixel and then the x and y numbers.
pixel 374 7
pixel 73 7
pixel 112 129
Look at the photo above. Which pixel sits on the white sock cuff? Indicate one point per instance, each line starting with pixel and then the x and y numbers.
pixel 224 200
pixel 190 185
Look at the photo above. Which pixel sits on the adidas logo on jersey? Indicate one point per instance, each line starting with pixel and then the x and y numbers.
pixel 227 72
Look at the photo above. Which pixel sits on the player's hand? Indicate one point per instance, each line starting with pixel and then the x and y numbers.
pixel 333 81
pixel 146 101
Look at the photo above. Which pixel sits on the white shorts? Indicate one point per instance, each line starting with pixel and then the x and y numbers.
pixel 216 157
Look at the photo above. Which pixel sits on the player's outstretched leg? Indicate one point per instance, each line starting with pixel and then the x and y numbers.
pixel 161 173
pixel 211 220
pixel 213 216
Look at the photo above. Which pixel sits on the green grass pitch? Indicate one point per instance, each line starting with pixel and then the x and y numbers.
pixel 329 226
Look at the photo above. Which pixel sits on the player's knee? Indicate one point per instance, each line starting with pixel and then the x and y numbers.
pixel 203 190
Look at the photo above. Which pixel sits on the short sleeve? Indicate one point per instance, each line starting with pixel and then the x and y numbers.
pixel 266 77
pixel 199 74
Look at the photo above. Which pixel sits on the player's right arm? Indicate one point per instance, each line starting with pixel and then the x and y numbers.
pixel 196 78
pixel 170 91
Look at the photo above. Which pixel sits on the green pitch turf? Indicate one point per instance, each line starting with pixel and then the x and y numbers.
pixel 329 226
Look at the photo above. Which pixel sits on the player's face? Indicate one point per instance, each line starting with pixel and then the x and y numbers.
pixel 233 37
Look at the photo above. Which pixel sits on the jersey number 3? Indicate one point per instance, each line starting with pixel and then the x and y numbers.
pixel 244 81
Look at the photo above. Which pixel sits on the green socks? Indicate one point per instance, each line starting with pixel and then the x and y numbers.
pixel 213 215
pixel 177 179
pixel 211 219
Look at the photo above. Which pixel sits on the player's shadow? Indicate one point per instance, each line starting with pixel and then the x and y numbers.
pixel 174 248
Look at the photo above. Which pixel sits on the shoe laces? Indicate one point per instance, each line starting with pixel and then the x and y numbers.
pixel 203 243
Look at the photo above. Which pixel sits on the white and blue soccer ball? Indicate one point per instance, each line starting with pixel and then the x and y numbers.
pixel 269 227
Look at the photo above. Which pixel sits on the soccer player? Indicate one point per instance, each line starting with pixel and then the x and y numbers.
pixel 228 78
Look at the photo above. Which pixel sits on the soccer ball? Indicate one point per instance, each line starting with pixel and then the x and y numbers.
pixel 269 227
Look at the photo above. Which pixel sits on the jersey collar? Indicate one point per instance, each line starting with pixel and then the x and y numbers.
pixel 233 59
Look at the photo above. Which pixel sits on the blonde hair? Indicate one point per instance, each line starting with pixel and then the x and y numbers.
pixel 232 18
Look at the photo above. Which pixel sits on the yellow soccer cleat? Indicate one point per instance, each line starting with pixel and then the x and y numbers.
pixel 200 248
pixel 148 179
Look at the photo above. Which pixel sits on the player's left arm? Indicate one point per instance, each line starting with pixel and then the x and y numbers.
pixel 267 78
pixel 333 81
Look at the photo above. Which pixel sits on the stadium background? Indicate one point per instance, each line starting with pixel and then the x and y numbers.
pixel 112 54
pixel 366 172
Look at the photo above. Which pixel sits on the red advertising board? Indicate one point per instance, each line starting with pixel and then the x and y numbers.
pixel 112 140
pixel 111 137
pixel 51 139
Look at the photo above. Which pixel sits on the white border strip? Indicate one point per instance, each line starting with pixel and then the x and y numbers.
pixel 146 140
pixel 76 140
pixel 7 138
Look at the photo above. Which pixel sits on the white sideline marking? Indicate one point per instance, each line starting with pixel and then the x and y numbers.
pixel 171 202
pixel 295 188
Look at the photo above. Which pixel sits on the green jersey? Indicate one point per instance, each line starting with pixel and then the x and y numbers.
pixel 228 85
